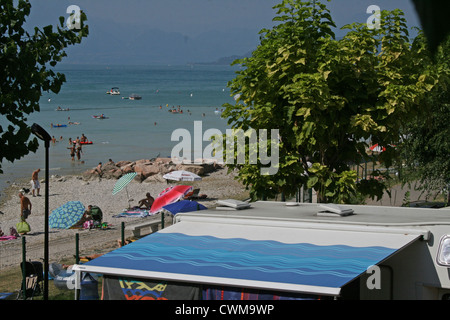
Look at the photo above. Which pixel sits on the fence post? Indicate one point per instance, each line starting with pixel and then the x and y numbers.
pixel 122 233
pixel 24 274
pixel 77 248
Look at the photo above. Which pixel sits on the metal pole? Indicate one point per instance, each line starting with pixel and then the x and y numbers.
pixel 24 274
pixel 122 238
pixel 47 146
pixel 77 248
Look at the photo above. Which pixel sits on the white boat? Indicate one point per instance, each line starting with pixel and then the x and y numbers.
pixel 114 91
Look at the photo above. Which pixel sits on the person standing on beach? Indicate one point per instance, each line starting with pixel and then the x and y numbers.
pixel 35 182
pixel 25 206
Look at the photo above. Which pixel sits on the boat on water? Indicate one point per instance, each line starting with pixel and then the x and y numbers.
pixel 61 109
pixel 114 91
pixel 133 97
pixel 102 116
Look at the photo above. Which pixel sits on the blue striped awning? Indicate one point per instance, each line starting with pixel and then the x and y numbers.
pixel 294 260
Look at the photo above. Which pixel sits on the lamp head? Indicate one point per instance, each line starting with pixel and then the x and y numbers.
pixel 40 132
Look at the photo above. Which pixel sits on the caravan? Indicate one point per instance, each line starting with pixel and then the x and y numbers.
pixel 277 250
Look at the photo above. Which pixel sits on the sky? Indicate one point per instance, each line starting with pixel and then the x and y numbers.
pixel 183 31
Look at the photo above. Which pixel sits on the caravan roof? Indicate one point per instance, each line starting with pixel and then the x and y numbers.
pixel 272 246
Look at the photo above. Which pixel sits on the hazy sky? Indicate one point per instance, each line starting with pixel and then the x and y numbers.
pixel 202 21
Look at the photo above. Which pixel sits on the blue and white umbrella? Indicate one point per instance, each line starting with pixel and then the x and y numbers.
pixel 67 215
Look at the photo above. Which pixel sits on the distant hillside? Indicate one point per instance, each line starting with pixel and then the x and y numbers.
pixel 115 44
pixel 226 60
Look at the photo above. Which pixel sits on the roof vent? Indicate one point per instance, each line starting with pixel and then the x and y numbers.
pixel 231 204
pixel 332 210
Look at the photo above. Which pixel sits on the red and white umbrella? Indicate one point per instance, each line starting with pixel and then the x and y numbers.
pixel 168 196
pixel 377 148
pixel 181 175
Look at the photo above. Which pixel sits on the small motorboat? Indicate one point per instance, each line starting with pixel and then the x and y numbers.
pixel 102 116
pixel 133 97
pixel 114 91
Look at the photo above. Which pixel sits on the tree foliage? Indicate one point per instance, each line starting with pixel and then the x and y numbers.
pixel 26 60
pixel 327 97
pixel 426 145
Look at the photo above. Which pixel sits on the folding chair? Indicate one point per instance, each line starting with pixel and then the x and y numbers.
pixel 33 277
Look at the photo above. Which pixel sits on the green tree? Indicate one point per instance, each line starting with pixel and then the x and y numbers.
pixel 426 145
pixel 327 97
pixel 26 60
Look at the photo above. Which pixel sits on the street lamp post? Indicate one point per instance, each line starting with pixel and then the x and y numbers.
pixel 43 135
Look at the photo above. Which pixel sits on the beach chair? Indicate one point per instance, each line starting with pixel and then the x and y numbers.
pixel 33 278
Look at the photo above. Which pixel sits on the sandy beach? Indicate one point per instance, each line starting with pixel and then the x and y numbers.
pixel 216 185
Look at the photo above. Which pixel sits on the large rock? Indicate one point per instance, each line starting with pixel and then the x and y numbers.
pixel 146 169
pixel 121 164
pixel 112 173
pixel 155 178
pixel 197 169
pixel 128 168
pixel 90 174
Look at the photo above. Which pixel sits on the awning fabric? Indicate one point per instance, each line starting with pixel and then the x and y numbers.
pixel 294 259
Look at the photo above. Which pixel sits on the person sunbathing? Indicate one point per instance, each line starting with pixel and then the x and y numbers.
pixel 146 202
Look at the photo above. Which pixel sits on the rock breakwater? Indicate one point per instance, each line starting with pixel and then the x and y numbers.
pixel 149 170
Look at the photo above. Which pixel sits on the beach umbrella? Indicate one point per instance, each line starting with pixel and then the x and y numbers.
pixel 184 206
pixel 123 182
pixel 67 215
pixel 168 196
pixel 377 148
pixel 181 175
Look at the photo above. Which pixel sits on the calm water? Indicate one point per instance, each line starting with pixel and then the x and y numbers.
pixel 134 129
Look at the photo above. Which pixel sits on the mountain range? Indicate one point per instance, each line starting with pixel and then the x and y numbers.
pixel 115 44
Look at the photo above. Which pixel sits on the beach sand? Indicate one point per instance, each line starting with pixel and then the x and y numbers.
pixel 217 185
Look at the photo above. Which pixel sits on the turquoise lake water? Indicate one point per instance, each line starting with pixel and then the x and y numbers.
pixel 134 129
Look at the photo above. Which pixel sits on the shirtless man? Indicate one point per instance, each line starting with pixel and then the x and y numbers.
pixel 25 206
pixel 35 182
pixel 146 202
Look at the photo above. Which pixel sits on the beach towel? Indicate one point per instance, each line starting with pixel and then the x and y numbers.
pixel 133 213
pixel 5 238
